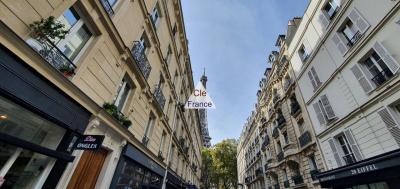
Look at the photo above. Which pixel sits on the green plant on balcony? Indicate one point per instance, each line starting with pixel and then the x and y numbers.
pixel 113 111
pixel 66 70
pixel 48 28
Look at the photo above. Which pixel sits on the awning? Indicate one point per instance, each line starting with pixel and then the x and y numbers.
pixel 379 168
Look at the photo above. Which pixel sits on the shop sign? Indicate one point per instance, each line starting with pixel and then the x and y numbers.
pixel 363 169
pixel 89 142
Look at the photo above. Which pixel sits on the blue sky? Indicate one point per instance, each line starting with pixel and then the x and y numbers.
pixel 232 40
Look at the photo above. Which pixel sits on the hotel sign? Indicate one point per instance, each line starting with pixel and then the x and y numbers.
pixel 89 142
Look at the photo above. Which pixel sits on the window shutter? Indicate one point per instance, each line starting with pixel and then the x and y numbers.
pixel 327 106
pixel 312 80
pixel 358 20
pixel 319 113
pixel 353 144
pixel 361 78
pixel 316 78
pixel 390 123
pixel 339 43
pixel 323 19
pixel 335 152
pixel 386 57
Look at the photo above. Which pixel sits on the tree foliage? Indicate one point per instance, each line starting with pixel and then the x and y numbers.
pixel 219 165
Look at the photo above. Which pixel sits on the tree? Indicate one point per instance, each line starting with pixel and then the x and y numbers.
pixel 219 168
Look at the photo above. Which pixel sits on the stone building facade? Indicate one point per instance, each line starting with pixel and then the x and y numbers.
pixel 121 72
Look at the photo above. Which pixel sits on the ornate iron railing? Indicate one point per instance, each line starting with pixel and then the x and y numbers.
pixel 349 159
pixel 107 6
pixel 305 139
pixel 354 39
pixel 158 94
pixel 53 55
pixel 382 77
pixel 138 53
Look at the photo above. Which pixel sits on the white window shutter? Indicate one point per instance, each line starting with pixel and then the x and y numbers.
pixel 390 123
pixel 358 20
pixel 386 57
pixel 327 106
pixel 319 113
pixel 339 43
pixel 367 87
pixel 312 80
pixel 323 19
pixel 316 78
pixel 353 144
pixel 335 152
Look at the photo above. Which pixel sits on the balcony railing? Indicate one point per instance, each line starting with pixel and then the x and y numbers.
pixel 297 179
pixel 138 53
pixel 158 94
pixel 294 108
pixel 280 156
pixel 53 55
pixel 349 159
pixel 313 174
pixel 305 139
pixel 382 77
pixel 107 6
pixel 354 39
pixel 286 183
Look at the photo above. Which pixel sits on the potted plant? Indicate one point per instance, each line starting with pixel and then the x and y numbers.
pixel 113 111
pixel 67 71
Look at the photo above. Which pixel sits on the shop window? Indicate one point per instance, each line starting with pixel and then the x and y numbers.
pixel 133 175
pixel 377 67
pixel 18 122
pixel 78 34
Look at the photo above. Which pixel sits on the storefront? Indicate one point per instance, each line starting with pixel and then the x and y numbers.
pixel 137 171
pixel 379 172
pixel 38 126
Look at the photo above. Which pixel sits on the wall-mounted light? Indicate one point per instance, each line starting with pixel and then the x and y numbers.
pixel 3 116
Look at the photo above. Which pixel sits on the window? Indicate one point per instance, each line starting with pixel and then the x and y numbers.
pixel 376 68
pixel 149 129
pixel 312 75
pixel 286 137
pixel 331 8
pixel 144 44
pixel 389 117
pixel 312 163
pixel 301 126
pixel 324 110
pixel 303 53
pixel 169 53
pixel 172 154
pixel 108 6
pixel 155 15
pixel 345 149
pixel 279 147
pixel 78 33
pixel 351 31
pixel 169 106
pixel 122 94
pixel 174 30
pixel 162 142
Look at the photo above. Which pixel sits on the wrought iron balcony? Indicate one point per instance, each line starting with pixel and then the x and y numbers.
pixel 138 53
pixel 275 132
pixel 294 108
pixel 354 39
pixel 158 94
pixel 349 159
pixel 280 156
pixel 286 183
pixel 305 139
pixel 53 55
pixel 107 6
pixel 313 174
pixel 382 77
pixel 298 179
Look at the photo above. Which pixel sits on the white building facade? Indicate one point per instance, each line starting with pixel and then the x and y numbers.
pixel 345 56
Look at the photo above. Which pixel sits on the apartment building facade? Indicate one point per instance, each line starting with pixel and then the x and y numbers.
pixel 114 69
pixel 345 57
pixel 278 148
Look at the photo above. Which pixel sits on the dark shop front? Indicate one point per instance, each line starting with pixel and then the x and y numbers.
pixel 135 170
pixel 38 125
pixel 379 172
